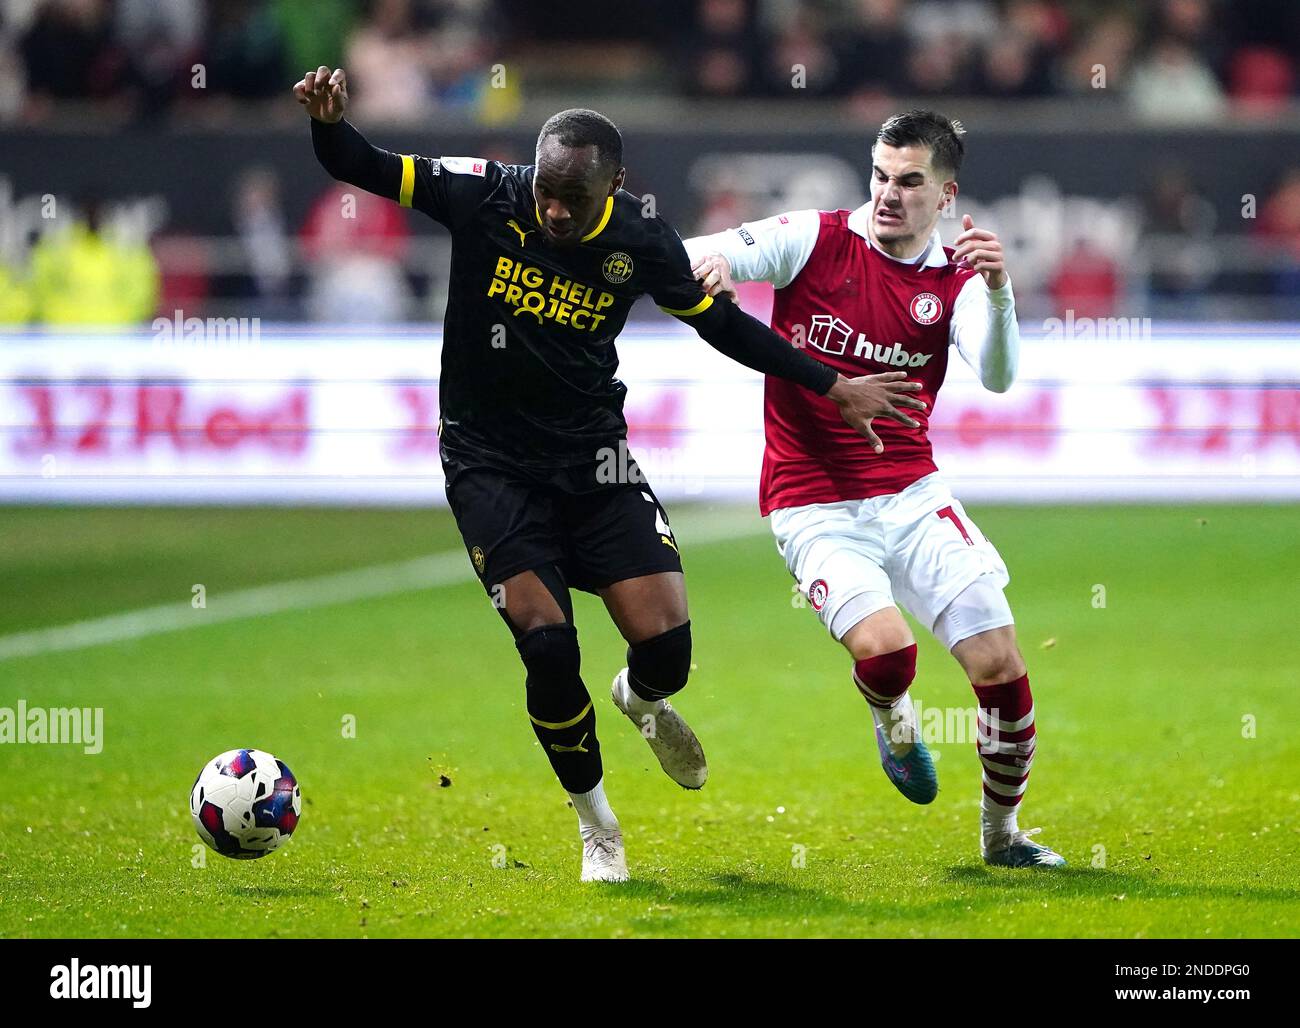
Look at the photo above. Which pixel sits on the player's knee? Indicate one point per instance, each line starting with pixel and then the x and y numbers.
pixel 996 666
pixel 990 657
pixel 658 667
pixel 551 655
pixel 888 673
pixel 532 600
pixel 880 633
pixel 525 622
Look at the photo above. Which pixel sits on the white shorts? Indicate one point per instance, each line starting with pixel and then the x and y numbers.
pixel 916 548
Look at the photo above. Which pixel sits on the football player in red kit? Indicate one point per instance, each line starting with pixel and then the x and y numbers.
pixel 868 526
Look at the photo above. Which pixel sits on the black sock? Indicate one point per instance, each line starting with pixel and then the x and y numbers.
pixel 559 706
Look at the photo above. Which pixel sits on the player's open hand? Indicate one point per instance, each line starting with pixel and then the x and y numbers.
pixel 982 250
pixel 324 93
pixel 876 396
pixel 714 273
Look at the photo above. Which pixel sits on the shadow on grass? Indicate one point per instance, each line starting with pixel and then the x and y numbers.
pixel 1101 883
pixel 737 892
pixel 753 899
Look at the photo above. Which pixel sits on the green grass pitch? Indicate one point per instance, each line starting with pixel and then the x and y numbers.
pixel 1168 770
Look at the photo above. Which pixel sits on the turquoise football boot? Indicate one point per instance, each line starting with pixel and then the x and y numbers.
pixel 1014 849
pixel 913 775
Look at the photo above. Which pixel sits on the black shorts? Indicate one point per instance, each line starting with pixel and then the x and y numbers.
pixel 596 532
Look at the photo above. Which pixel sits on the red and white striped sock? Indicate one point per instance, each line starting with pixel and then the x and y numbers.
pixel 1006 742
pixel 883 681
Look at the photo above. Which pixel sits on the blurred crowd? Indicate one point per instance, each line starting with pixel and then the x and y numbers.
pixel 83 63
pixel 146 58
pixel 1167 59
pixel 85 275
pixel 107 264
pixel 100 265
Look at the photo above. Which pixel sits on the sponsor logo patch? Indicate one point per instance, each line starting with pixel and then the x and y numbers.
pixel 828 334
pixel 465 165
pixel 831 335
pixel 744 234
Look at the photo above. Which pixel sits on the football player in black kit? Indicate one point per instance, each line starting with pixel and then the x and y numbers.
pixel 547 260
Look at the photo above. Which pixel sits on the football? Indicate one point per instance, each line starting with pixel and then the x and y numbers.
pixel 245 803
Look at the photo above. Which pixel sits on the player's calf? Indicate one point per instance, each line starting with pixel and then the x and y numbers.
pixel 656 669
pixel 559 706
pixel 564 722
pixel 977 627
pixel 883 681
pixel 659 667
pixel 884 668
pixel 1007 740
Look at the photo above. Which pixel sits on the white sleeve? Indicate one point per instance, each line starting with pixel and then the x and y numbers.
pixel 772 250
pixel 984 330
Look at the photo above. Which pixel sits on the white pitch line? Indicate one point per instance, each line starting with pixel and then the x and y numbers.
pixel 427 572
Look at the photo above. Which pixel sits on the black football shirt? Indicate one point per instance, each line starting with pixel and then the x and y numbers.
pixel 528 359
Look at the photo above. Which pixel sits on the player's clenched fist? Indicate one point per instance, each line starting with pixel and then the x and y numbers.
pixel 982 250
pixel 324 93
pixel 714 274
pixel 876 396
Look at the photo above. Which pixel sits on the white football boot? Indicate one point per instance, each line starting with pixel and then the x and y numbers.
pixel 671 740
pixel 603 859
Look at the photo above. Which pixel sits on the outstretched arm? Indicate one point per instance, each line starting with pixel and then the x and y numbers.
pixel 447 189
pixel 340 148
pixel 732 332
pixel 744 339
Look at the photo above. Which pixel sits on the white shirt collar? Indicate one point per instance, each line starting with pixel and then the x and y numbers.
pixel 933 256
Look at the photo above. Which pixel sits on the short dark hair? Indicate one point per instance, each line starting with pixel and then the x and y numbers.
pixel 581 127
pixel 927 128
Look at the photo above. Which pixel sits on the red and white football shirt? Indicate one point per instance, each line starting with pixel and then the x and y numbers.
pixel 862 312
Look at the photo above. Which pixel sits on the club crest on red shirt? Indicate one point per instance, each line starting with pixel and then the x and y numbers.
pixel 926 308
